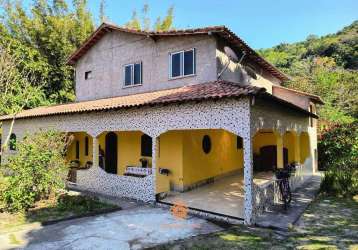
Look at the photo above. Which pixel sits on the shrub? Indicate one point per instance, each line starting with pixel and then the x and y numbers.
pixel 37 170
pixel 338 156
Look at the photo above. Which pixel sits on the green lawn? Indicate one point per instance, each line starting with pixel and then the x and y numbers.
pixel 329 223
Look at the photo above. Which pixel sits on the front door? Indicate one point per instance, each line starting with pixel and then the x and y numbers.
pixel 111 153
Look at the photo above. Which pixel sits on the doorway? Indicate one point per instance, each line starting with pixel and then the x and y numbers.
pixel 111 153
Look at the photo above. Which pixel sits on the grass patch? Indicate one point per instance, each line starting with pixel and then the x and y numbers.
pixel 55 208
pixel 328 223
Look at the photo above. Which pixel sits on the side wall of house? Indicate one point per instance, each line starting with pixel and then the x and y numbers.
pixel 106 60
pixel 268 116
pixel 234 72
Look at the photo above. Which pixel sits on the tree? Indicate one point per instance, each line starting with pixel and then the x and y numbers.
pixel 324 66
pixel 102 14
pixel 144 23
pixel 38 170
pixel 48 33
pixel 17 90
pixel 167 22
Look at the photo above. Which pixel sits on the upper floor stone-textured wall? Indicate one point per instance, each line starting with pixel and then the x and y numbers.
pixel 107 58
pixel 234 71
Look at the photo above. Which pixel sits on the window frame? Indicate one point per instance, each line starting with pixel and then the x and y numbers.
pixel 132 84
pixel 77 149
pixel 86 146
pixel 88 75
pixel 13 142
pixel 146 152
pixel 239 143
pixel 182 63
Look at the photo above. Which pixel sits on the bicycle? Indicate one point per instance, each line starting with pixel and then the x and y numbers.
pixel 283 179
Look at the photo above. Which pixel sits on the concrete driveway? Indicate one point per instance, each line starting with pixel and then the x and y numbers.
pixel 134 228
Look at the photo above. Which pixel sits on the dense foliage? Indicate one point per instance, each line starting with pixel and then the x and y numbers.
pixel 17 90
pixel 43 34
pixel 338 151
pixel 326 66
pixel 36 171
pixel 43 37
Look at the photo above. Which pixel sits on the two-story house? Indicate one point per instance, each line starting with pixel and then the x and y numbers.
pixel 163 116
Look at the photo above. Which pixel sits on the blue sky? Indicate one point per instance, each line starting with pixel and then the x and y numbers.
pixel 261 23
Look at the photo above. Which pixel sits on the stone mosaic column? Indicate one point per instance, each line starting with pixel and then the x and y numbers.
pixel 248 181
pixel 154 164
pixel 95 152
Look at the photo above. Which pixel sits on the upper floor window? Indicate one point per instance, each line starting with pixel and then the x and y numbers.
pixel 12 142
pixel 88 75
pixel 133 74
pixel 182 63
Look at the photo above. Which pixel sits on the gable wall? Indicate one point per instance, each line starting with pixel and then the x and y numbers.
pixel 107 58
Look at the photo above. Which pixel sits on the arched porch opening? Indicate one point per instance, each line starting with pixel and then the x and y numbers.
pixel 125 153
pixel 202 168
pixel 267 151
pixel 79 151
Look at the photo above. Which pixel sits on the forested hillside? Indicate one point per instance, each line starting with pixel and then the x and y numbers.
pixel 326 66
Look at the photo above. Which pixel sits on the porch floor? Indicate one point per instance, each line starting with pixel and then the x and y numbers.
pixel 224 196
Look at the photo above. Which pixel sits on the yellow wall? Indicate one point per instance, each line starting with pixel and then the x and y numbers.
pixel 71 152
pixel 170 156
pixel 304 147
pixel 223 157
pixel 181 152
pixel 290 141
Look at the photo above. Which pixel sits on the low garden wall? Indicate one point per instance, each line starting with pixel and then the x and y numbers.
pixel 97 180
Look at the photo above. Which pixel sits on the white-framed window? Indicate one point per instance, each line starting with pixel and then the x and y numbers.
pixel 88 75
pixel 182 63
pixel 132 74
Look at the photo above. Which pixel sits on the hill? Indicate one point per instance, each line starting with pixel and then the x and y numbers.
pixel 326 66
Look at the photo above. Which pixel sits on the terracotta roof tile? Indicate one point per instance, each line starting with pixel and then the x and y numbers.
pixel 202 91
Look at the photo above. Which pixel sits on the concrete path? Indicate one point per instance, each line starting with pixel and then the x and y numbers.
pixel 134 228
pixel 282 220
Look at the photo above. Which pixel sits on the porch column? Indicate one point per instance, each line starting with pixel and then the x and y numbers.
pixel 154 164
pixel 279 143
pixel 248 181
pixel 95 152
